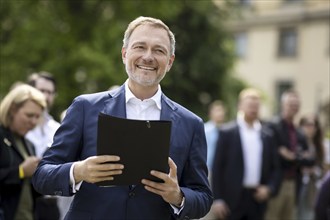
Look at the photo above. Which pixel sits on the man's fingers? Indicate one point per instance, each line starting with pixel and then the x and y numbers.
pixel 154 185
pixel 108 173
pixel 98 176
pixel 105 158
pixel 103 163
pixel 173 168
pixel 110 166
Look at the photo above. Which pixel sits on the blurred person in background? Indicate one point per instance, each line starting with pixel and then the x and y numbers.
pixel 292 147
pixel 311 175
pixel 20 111
pixel 246 169
pixel 42 135
pixel 42 138
pixel 216 114
pixel 322 203
pixel 326 144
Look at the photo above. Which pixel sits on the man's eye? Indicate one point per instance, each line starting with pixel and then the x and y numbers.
pixel 160 51
pixel 138 47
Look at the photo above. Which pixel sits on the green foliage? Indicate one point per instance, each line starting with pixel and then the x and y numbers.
pixel 80 43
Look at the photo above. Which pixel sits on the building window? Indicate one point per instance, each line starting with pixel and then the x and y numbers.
pixel 244 2
pixel 281 86
pixel 240 44
pixel 290 1
pixel 287 42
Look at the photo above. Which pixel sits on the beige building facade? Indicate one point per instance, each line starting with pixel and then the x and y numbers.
pixel 282 44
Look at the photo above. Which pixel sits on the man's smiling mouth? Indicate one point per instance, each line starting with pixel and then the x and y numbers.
pixel 146 67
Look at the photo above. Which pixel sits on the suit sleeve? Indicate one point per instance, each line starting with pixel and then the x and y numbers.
pixel 276 171
pixel 52 174
pixel 194 183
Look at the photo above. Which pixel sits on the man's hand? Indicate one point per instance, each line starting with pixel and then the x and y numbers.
pixel 169 190
pixel 220 209
pixel 286 153
pixel 262 193
pixel 97 168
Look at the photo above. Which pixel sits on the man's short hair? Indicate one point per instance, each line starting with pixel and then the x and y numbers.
pixel 150 21
pixel 32 79
pixel 287 93
pixel 216 103
pixel 249 92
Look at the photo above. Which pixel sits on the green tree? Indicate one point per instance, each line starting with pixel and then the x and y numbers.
pixel 80 43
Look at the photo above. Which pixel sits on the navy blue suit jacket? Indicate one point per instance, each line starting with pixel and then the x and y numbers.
pixel 76 140
pixel 228 165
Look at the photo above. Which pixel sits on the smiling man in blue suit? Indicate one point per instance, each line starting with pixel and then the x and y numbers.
pixel 71 166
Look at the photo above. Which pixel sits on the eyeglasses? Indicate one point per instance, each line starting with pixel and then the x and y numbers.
pixel 48 92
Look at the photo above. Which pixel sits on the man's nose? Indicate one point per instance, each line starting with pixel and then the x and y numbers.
pixel 46 94
pixel 148 56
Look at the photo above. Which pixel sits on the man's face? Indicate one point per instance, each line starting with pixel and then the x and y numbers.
pixel 291 105
pixel 217 114
pixel 147 57
pixel 48 89
pixel 250 107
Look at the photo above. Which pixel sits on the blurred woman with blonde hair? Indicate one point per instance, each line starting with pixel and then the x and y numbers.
pixel 20 111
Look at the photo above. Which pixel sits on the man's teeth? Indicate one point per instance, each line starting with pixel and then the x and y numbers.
pixel 146 68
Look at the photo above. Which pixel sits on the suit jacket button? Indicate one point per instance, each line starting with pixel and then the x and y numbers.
pixel 131 194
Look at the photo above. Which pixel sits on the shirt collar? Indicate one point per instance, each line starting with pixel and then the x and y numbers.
pixel 242 123
pixel 46 116
pixel 156 98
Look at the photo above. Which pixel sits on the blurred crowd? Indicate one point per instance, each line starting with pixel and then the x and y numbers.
pixel 267 169
pixel 258 169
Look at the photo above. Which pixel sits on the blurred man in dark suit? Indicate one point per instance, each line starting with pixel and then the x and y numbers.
pixel 246 170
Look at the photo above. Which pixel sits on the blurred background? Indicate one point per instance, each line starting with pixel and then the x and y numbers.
pixel 222 47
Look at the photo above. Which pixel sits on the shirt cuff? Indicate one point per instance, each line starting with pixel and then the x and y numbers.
pixel 75 186
pixel 177 210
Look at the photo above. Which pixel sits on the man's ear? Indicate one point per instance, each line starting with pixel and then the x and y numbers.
pixel 123 54
pixel 170 63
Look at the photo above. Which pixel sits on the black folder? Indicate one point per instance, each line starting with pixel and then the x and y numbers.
pixel 141 145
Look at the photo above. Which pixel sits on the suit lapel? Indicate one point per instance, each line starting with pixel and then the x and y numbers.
pixel 168 113
pixel 264 153
pixel 168 110
pixel 239 141
pixel 116 105
pixel 239 146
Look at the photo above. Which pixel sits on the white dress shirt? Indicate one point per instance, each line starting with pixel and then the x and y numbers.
pixel 252 151
pixel 148 109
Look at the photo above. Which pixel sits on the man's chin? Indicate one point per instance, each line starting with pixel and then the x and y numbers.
pixel 146 83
